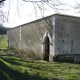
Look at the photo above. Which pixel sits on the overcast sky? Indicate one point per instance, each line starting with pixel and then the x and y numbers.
pixel 24 12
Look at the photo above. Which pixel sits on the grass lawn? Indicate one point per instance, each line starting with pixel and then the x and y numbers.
pixel 14 68
pixel 3 41
pixel 17 64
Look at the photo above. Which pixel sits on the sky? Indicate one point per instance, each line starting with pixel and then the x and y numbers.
pixel 23 12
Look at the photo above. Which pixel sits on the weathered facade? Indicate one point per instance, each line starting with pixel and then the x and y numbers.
pixel 57 37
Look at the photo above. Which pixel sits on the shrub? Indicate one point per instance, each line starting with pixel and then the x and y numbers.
pixel 25 54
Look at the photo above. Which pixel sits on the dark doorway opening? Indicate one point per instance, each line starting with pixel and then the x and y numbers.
pixel 46 49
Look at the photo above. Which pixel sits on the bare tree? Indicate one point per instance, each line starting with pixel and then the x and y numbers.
pixel 77 6
pixel 2 16
pixel 1 1
pixel 39 5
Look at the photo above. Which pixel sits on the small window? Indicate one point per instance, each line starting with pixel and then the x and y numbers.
pixel 63 51
pixel 62 40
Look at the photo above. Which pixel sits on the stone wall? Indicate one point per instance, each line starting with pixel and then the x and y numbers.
pixel 67 36
pixel 30 35
pixel 63 32
pixel 13 37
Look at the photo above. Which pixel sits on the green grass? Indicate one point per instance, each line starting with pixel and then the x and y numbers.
pixel 3 41
pixel 18 64
pixel 14 68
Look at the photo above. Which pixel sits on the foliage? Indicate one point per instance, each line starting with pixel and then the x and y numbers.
pixel 24 54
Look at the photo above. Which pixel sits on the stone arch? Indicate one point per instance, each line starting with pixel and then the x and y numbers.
pixel 46 46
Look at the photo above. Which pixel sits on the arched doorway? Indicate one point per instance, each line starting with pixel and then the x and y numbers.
pixel 46 49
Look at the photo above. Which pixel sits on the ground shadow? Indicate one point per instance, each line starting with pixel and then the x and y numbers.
pixel 7 73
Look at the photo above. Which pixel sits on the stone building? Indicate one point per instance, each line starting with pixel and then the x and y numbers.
pixel 57 37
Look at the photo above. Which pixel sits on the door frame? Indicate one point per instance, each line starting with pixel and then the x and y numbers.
pixel 46 36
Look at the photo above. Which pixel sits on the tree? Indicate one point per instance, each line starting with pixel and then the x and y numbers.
pixel 3 30
pixel 77 6
pixel 1 1
pixel 2 16
pixel 39 5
